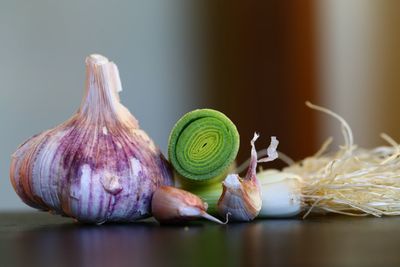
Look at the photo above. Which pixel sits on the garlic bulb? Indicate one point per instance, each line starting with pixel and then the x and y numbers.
pixel 98 166
pixel 173 205
pixel 241 197
pixel 281 194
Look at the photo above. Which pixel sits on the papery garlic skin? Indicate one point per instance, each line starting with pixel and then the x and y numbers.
pixel 96 167
pixel 281 194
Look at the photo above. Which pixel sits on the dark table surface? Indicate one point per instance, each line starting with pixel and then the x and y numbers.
pixel 41 239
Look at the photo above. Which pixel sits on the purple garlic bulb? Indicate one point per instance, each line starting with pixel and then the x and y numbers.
pixel 96 167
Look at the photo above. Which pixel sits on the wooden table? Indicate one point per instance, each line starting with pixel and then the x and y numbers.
pixel 41 239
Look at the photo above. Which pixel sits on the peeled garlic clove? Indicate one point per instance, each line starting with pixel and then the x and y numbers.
pixel 173 205
pixel 281 194
pixel 98 166
pixel 242 197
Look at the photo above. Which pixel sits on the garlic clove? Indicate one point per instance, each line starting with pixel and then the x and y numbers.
pixel 173 205
pixel 239 197
pixel 242 197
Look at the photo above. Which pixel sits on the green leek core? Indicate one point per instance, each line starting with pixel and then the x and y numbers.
pixel 202 145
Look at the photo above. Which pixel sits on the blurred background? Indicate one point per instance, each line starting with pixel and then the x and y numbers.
pixel 256 61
